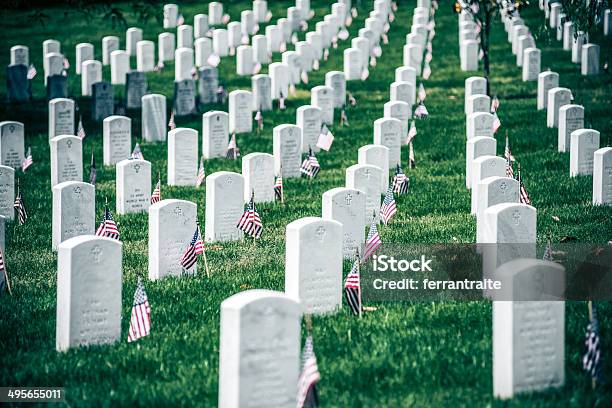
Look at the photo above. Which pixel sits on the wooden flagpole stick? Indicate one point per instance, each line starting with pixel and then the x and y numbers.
pixel 203 251
pixel 6 277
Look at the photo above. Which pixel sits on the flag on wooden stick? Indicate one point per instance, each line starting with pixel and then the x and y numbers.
pixel 140 322
pixel 523 195
pixel 171 123
pixel 411 162
pixel 156 195
pixel 388 208
pixel 400 181
pixel 326 138
pixel 412 132
pixel 259 120
pixel 343 118
pixel 201 178
pixel 4 278
pixel 591 361
pixel 108 226
pixel 22 214
pixel 278 187
pixel 422 94
pixel 496 122
pixel 137 153
pixel 93 171
pixel 31 72
pixel 27 160
pixel 307 396
pixel 421 111
pixel 81 129
pixel 250 222
pixel 352 288
pixel 195 248
pixel 310 166
pixel 232 148
pixel 373 241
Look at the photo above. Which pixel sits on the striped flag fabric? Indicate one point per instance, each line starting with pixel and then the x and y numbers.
pixel 388 208
pixel 496 122
pixel 281 102
pixel 137 152
pixel 66 63
pixel 411 162
pixel 233 152
pixel 509 168
pixel 22 214
pixel 156 195
pixel 548 252
pixel 422 94
pixel 93 171
pixel 108 226
pixel 426 71
pixel 4 281
pixel 195 248
pixel 80 129
pixel 326 138
pixel 343 118
pixel 401 182
pixel 421 111
pixel 307 396
pixel 310 166
pixel 494 104
pixel 259 119
pixel 352 289
pixel 201 178
pixel 140 322
pixel 180 20
pixel 278 188
pixel 352 99
pixel 507 151
pixel 412 132
pixel 171 123
pixel 31 72
pixel 250 222
pixel 373 241
pixel 591 361
pixel 523 195
pixel 27 160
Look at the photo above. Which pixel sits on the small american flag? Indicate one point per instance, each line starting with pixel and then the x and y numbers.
pixel 4 278
pixel 325 54
pixel 140 322
pixel 171 123
pixel 156 195
pixel 523 195
pixel 281 102
pixel 496 122
pixel 180 20
pixel 494 104
pixel 411 162
pixel 307 392
pixel 233 152
pixel 373 241
pixel 548 252
pixel 201 179
pixel 326 138
pixel 27 160
pixel 93 171
pixel 343 118
pixel 304 76
pixel 591 361
pixel 66 63
pixel 22 214
pixel 421 111
pixel 292 90
pixel 108 226
pixel 250 222
pixel 80 129
pixel 259 120
pixel 31 72
pixel 426 71
pixel 365 73
pixel 195 248
pixel 412 132
pixel 509 168
pixel 507 151
pixel 352 289
pixel 422 94
pixel 310 166
pixel 400 181
pixel 194 73
pixel 137 153
pixel 373 61
pixel 388 207
pixel 278 188
pixel 159 66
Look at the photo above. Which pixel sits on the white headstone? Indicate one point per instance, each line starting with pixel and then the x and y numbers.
pixel 224 206
pixel 557 97
pixel 376 155
pixel 469 55
pixel 274 37
pixel 117 139
pixel 259 348
pixel 183 60
pixel 91 72
pixel 200 25
pixel 577 42
pixel 260 49
pixel 154 118
pixel 546 81
pixel 602 176
pixel 110 43
pixel 203 50
pixel 66 159
pixel 182 157
pixel 479 124
pixel 261 86
pixel 336 81
pixel 170 15
pixel 483 167
pixel 84 52
pixel 401 111
pixel 531 64
pixel 293 60
pixel 413 57
pixel 184 36
pixel 322 97
pixel 476 147
pixel 347 206
pixel 215 134
pixel 132 36
pixel 166 44
pixel 584 143
pixel 20 55
pixel 571 117
pixel 89 281
pixel 240 111
pixel 287 143
pixel 491 191
pixel 260 9
pixel 215 13
pixel 474 86
pixel 402 91
pixel 61 117
pixel 590 59
pixel 171 227
pixel 388 132
pixel 73 211
pixel 478 103
pixel 120 65
pixel 313 264
pixel 145 56
pixel 308 119
pixel 279 74
pixel 221 42
pixel 353 65
pixel 244 60
pixel 366 178
pixel 11 143
pixel 7 192
pixel 133 186
pixel 258 173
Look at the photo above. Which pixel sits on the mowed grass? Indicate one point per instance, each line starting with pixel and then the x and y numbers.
pixel 402 354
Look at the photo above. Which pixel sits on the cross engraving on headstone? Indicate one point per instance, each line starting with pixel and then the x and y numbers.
pixel 320 233
pixel 348 199
pixel 367 173
pixel 96 252
pixel 517 217
pixel 503 186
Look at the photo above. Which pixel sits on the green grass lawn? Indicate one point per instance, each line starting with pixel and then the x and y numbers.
pixel 402 354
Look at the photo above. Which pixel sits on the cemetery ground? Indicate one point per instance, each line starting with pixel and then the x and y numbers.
pixel 402 354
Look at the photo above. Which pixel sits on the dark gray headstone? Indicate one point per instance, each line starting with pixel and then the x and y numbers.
pixel 57 87
pixel 102 100
pixel 208 84
pixel 136 88
pixel 17 85
pixel 184 97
